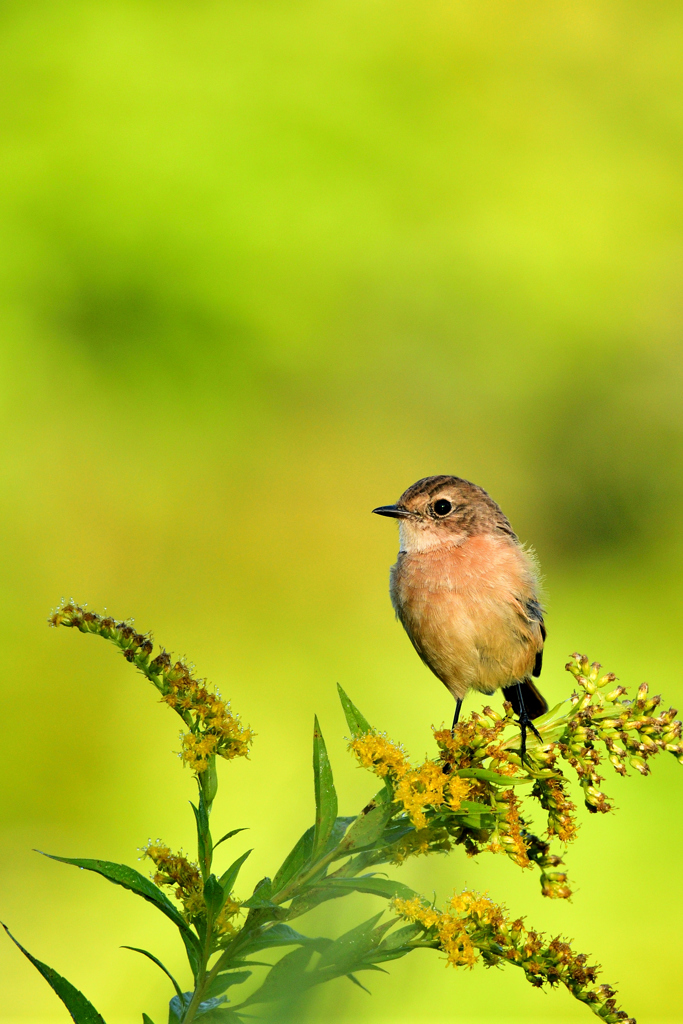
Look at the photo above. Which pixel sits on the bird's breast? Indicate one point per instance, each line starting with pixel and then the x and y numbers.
pixel 462 607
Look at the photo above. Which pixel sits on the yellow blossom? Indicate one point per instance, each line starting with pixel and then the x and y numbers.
pixel 377 752
pixel 175 870
pixel 458 790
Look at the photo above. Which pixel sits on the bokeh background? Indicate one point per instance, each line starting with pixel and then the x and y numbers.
pixel 262 265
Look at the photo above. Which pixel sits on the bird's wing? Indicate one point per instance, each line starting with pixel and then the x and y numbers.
pixel 535 614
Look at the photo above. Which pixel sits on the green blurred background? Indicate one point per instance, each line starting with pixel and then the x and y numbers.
pixel 263 265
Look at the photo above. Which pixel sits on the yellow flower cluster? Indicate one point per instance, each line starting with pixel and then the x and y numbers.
pixel 416 789
pixel 224 924
pixel 173 869
pixel 474 740
pixel 176 871
pixel 215 730
pixel 450 927
pixel 510 835
pixel 552 798
pixel 375 751
pixel 473 925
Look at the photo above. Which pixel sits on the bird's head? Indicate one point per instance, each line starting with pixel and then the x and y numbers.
pixel 444 510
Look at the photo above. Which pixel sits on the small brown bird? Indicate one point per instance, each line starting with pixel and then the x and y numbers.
pixel 466 593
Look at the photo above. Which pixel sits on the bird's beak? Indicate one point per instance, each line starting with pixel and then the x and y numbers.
pixel 394 511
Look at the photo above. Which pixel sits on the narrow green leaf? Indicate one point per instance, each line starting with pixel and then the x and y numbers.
pixel 229 877
pixel 226 980
pixel 355 980
pixel 283 935
pixel 486 775
pixel 312 897
pixel 475 815
pixel 355 721
pixel 325 793
pixel 81 1009
pixel 177 1007
pixel 209 1010
pixel 190 943
pixel 295 861
pixel 395 830
pixel 383 956
pixel 261 895
pixel 401 936
pixel 368 826
pixel 214 894
pixel 204 845
pixel 336 887
pixel 346 953
pixel 146 1019
pixel 386 887
pixel 131 879
pixel 229 835
pixel 287 977
pixel 150 956
pixel 338 831
pixel 220 1015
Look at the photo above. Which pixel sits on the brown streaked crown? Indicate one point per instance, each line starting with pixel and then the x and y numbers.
pixel 472 509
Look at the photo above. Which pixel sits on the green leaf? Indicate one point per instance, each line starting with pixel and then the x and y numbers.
pixel 283 935
pixel 486 775
pixel 229 877
pixel 386 887
pixel 394 831
pixel 228 835
pixel 214 894
pixel 131 879
pixel 287 977
pixel 190 943
pixel 295 861
pixel 338 831
pixel 177 1007
pixel 81 1009
pixel 150 956
pixel 475 815
pixel 347 953
pixel 396 944
pixel 211 1010
pixel 355 980
pixel 355 721
pixel 325 793
pixel 221 1015
pixel 369 825
pixel 204 845
pixel 336 887
pixel 226 980
pixel 261 895
pixel 401 936
pixel 145 1018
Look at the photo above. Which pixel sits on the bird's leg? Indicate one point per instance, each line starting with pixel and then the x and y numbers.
pixel 448 767
pixel 456 716
pixel 524 721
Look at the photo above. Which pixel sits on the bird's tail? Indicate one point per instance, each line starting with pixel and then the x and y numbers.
pixel 535 703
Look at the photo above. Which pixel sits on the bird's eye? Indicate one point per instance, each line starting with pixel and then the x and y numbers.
pixel 442 507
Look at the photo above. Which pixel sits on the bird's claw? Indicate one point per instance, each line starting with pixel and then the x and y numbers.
pixel 524 724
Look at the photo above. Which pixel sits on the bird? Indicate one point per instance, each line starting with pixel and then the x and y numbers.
pixel 467 594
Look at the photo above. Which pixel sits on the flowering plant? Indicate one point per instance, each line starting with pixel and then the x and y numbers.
pixel 465 796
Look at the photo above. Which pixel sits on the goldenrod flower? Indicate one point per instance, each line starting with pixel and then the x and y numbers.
pixel 214 729
pixel 377 752
pixel 473 925
pixel 175 870
pixel 417 789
